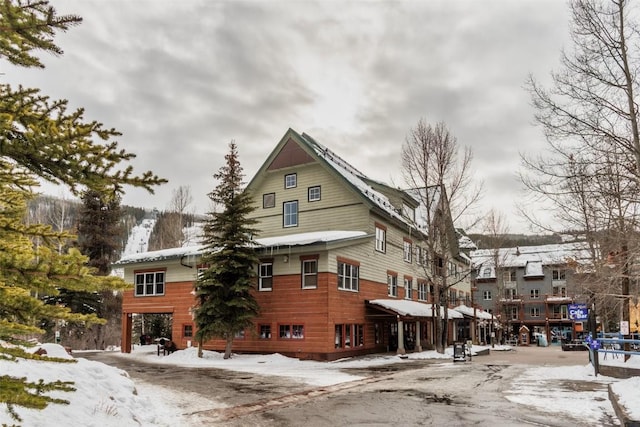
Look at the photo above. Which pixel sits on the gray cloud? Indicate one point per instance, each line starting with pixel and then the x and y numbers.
pixel 180 80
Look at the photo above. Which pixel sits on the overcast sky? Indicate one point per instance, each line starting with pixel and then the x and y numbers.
pixel 180 80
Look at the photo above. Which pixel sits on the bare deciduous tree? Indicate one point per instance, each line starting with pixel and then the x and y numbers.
pixel 591 173
pixel 443 184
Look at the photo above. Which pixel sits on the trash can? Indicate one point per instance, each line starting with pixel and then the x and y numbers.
pixel 459 352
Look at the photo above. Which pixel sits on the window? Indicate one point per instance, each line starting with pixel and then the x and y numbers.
pixel 486 272
pixel 295 332
pixel 309 274
pixel 535 312
pixel 418 255
pixel 314 194
pixel 535 293
pixel 290 217
pixel 486 295
pixel 269 200
pixel 187 331
pixel 381 239
pixel 265 276
pixel 407 288
pixel 349 335
pixel 559 291
pixel 422 291
pixel 558 275
pixel 513 311
pixel 509 276
pixel 291 180
pixel 392 285
pixel 151 283
pixel 407 249
pixel 438 266
pixel 408 212
pixel 348 276
pixel 265 332
pixel 510 294
pixel 239 335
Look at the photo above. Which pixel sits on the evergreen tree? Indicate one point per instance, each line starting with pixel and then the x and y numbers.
pixel 40 138
pixel 226 305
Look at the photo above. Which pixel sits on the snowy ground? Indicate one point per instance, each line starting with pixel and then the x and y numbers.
pixel 106 396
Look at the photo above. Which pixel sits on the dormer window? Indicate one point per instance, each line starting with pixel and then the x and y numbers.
pixel 408 212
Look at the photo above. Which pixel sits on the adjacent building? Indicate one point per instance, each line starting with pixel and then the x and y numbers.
pixel 529 289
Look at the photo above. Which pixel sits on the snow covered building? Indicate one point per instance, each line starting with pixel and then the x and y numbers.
pixel 342 265
pixel 532 286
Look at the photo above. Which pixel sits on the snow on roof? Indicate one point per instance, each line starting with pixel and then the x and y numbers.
pixel 556 254
pixel 533 268
pixel 300 239
pixel 354 176
pixel 413 308
pixel 480 314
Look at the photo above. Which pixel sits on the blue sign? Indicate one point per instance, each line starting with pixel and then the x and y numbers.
pixel 578 312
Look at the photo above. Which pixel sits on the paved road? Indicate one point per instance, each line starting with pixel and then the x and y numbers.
pixel 420 393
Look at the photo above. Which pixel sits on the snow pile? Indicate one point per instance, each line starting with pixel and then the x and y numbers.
pixel 589 404
pixel 628 392
pixel 104 396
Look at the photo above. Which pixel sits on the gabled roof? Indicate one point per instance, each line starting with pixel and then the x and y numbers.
pixel 372 192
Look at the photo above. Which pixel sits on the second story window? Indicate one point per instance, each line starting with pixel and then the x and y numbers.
pixel 265 276
pixel 150 283
pixel 309 274
pixel 422 291
pixel 486 295
pixel 290 214
pixel 348 276
pixel 408 294
pixel 392 285
pixel 535 293
pixel 291 180
pixel 381 239
pixel 535 312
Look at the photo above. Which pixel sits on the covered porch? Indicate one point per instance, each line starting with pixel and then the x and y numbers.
pixel 410 323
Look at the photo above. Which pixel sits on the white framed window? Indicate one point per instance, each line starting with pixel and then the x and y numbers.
pixel 510 293
pixel 535 293
pixel 535 312
pixel 513 311
pixel 314 193
pixel 348 276
pixel 408 291
pixel 422 291
pixel 381 239
pixel 392 285
pixel 486 295
pixel 408 212
pixel 149 283
pixel 290 214
pixel 557 274
pixel 287 332
pixel 291 180
pixel 265 276
pixel 407 248
pixel 309 274
pixel 418 255
pixel 265 332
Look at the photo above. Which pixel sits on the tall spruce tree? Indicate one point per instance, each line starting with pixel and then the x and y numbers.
pixel 99 229
pixel 225 303
pixel 40 138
